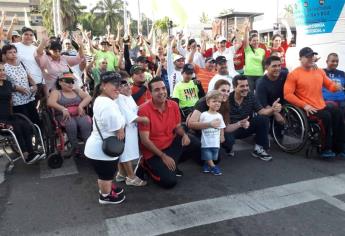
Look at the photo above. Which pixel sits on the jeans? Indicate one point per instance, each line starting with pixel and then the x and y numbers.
pixel 210 153
pixel 259 125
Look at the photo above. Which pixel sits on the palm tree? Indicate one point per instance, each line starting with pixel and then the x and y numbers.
pixel 204 18
pixel 69 11
pixel 111 11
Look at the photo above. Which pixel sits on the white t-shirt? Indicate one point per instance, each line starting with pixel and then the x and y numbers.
pixel 229 55
pixel 210 137
pixel 175 77
pixel 25 54
pixel 109 119
pixel 129 109
pixel 217 77
pixel 197 59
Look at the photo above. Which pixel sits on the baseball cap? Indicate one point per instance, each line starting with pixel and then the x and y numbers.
pixel 177 57
pixel 210 59
pixel 188 69
pixel 111 77
pixel 141 59
pixel 136 68
pixel 67 75
pixel 220 60
pixel 221 39
pixel 307 52
pixel 15 33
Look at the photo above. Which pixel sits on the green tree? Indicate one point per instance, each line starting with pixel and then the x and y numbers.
pixel 204 18
pixel 91 22
pixel 162 24
pixel 111 12
pixel 69 11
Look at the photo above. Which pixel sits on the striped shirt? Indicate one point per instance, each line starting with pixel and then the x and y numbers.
pixel 241 111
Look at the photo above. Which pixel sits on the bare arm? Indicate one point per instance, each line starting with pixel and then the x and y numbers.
pixel 86 99
pixel 10 29
pixel 52 101
pixel 145 140
pixel 246 34
pixel 43 44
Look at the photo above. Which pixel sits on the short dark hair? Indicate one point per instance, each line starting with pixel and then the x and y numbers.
pixel 332 54
pixel 124 74
pixel 55 45
pixel 26 29
pixel 191 41
pixel 154 80
pixel 8 47
pixel 269 60
pixel 237 78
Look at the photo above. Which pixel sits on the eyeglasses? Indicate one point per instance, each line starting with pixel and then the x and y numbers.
pixel 124 83
pixel 68 43
pixel 69 81
pixel 104 43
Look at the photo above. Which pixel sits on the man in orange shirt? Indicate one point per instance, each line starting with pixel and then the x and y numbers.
pixel 204 75
pixel 303 88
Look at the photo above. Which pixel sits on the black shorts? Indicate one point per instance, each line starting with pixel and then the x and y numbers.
pixel 104 169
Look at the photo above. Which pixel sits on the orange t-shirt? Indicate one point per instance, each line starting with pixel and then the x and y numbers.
pixel 204 76
pixel 304 87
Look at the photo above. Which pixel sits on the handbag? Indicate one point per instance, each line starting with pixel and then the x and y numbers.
pixel 111 146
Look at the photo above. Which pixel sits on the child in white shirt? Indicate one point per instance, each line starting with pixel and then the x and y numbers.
pixel 212 137
pixel 129 110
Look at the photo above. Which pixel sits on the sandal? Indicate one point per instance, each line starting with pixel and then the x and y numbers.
pixel 135 182
pixel 120 178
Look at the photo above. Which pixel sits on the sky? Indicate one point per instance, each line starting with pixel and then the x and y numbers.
pixel 194 8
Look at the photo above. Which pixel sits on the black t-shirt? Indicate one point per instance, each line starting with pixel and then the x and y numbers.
pixel 247 108
pixel 201 105
pixel 5 100
pixel 267 91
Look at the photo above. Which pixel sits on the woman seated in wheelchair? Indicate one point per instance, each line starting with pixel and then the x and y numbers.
pixel 69 105
pixel 17 125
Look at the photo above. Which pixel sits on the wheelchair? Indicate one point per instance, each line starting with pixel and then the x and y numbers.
pixel 56 140
pixel 11 148
pixel 298 132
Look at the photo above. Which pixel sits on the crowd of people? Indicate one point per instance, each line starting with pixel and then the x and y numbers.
pixel 169 99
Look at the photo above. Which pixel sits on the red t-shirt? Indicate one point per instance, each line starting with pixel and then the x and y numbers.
pixel 282 50
pixel 161 126
pixel 239 58
pixel 145 97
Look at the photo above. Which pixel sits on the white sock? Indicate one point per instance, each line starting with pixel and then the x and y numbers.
pixel 257 147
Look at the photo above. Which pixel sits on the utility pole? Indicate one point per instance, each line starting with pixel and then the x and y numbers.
pixel 139 18
pixel 125 23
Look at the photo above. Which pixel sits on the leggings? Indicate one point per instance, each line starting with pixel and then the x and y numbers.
pixel 76 125
pixel 23 133
pixel 29 110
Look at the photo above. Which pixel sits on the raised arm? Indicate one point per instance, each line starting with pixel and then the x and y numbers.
pixel 246 34
pixel 10 29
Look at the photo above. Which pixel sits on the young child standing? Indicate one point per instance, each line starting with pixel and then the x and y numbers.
pixel 212 137
pixel 129 109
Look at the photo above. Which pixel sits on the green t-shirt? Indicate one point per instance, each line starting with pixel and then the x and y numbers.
pixel 253 61
pixel 96 75
pixel 187 93
pixel 112 59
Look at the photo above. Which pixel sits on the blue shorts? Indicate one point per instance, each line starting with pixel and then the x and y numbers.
pixel 208 154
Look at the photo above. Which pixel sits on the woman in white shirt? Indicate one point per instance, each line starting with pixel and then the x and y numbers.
pixel 110 121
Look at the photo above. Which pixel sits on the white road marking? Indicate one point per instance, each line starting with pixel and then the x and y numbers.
pixel 184 216
pixel 68 168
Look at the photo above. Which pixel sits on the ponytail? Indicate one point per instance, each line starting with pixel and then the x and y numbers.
pixel 96 92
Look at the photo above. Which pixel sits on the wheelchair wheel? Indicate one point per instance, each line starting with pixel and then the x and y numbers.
pixel 292 136
pixel 48 132
pixel 55 160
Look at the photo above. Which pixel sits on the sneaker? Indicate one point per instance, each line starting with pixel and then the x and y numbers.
pixel 262 154
pixel 206 168
pixel 178 172
pixel 112 198
pixel 32 158
pixel 120 178
pixel 116 189
pixel 136 181
pixel 327 154
pixel 215 170
pixel 231 154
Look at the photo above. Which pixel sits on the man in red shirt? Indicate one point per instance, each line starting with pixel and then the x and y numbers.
pixel 163 139
pixel 140 93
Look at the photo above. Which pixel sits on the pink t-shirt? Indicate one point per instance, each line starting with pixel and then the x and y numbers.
pixel 53 69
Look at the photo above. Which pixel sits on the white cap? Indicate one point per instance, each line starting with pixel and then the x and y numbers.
pixel 177 57
pixel 221 39
pixel 15 33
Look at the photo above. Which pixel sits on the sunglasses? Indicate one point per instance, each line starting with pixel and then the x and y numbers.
pixel 69 81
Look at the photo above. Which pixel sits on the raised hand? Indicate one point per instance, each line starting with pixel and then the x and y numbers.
pixel 276 106
pixel 14 20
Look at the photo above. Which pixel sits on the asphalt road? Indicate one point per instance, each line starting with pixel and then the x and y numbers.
pixel 291 195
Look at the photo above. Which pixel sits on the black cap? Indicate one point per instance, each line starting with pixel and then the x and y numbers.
pixel 188 69
pixel 136 68
pixel 111 77
pixel 220 60
pixel 307 52
pixel 210 59
pixel 191 41
pixel 141 59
